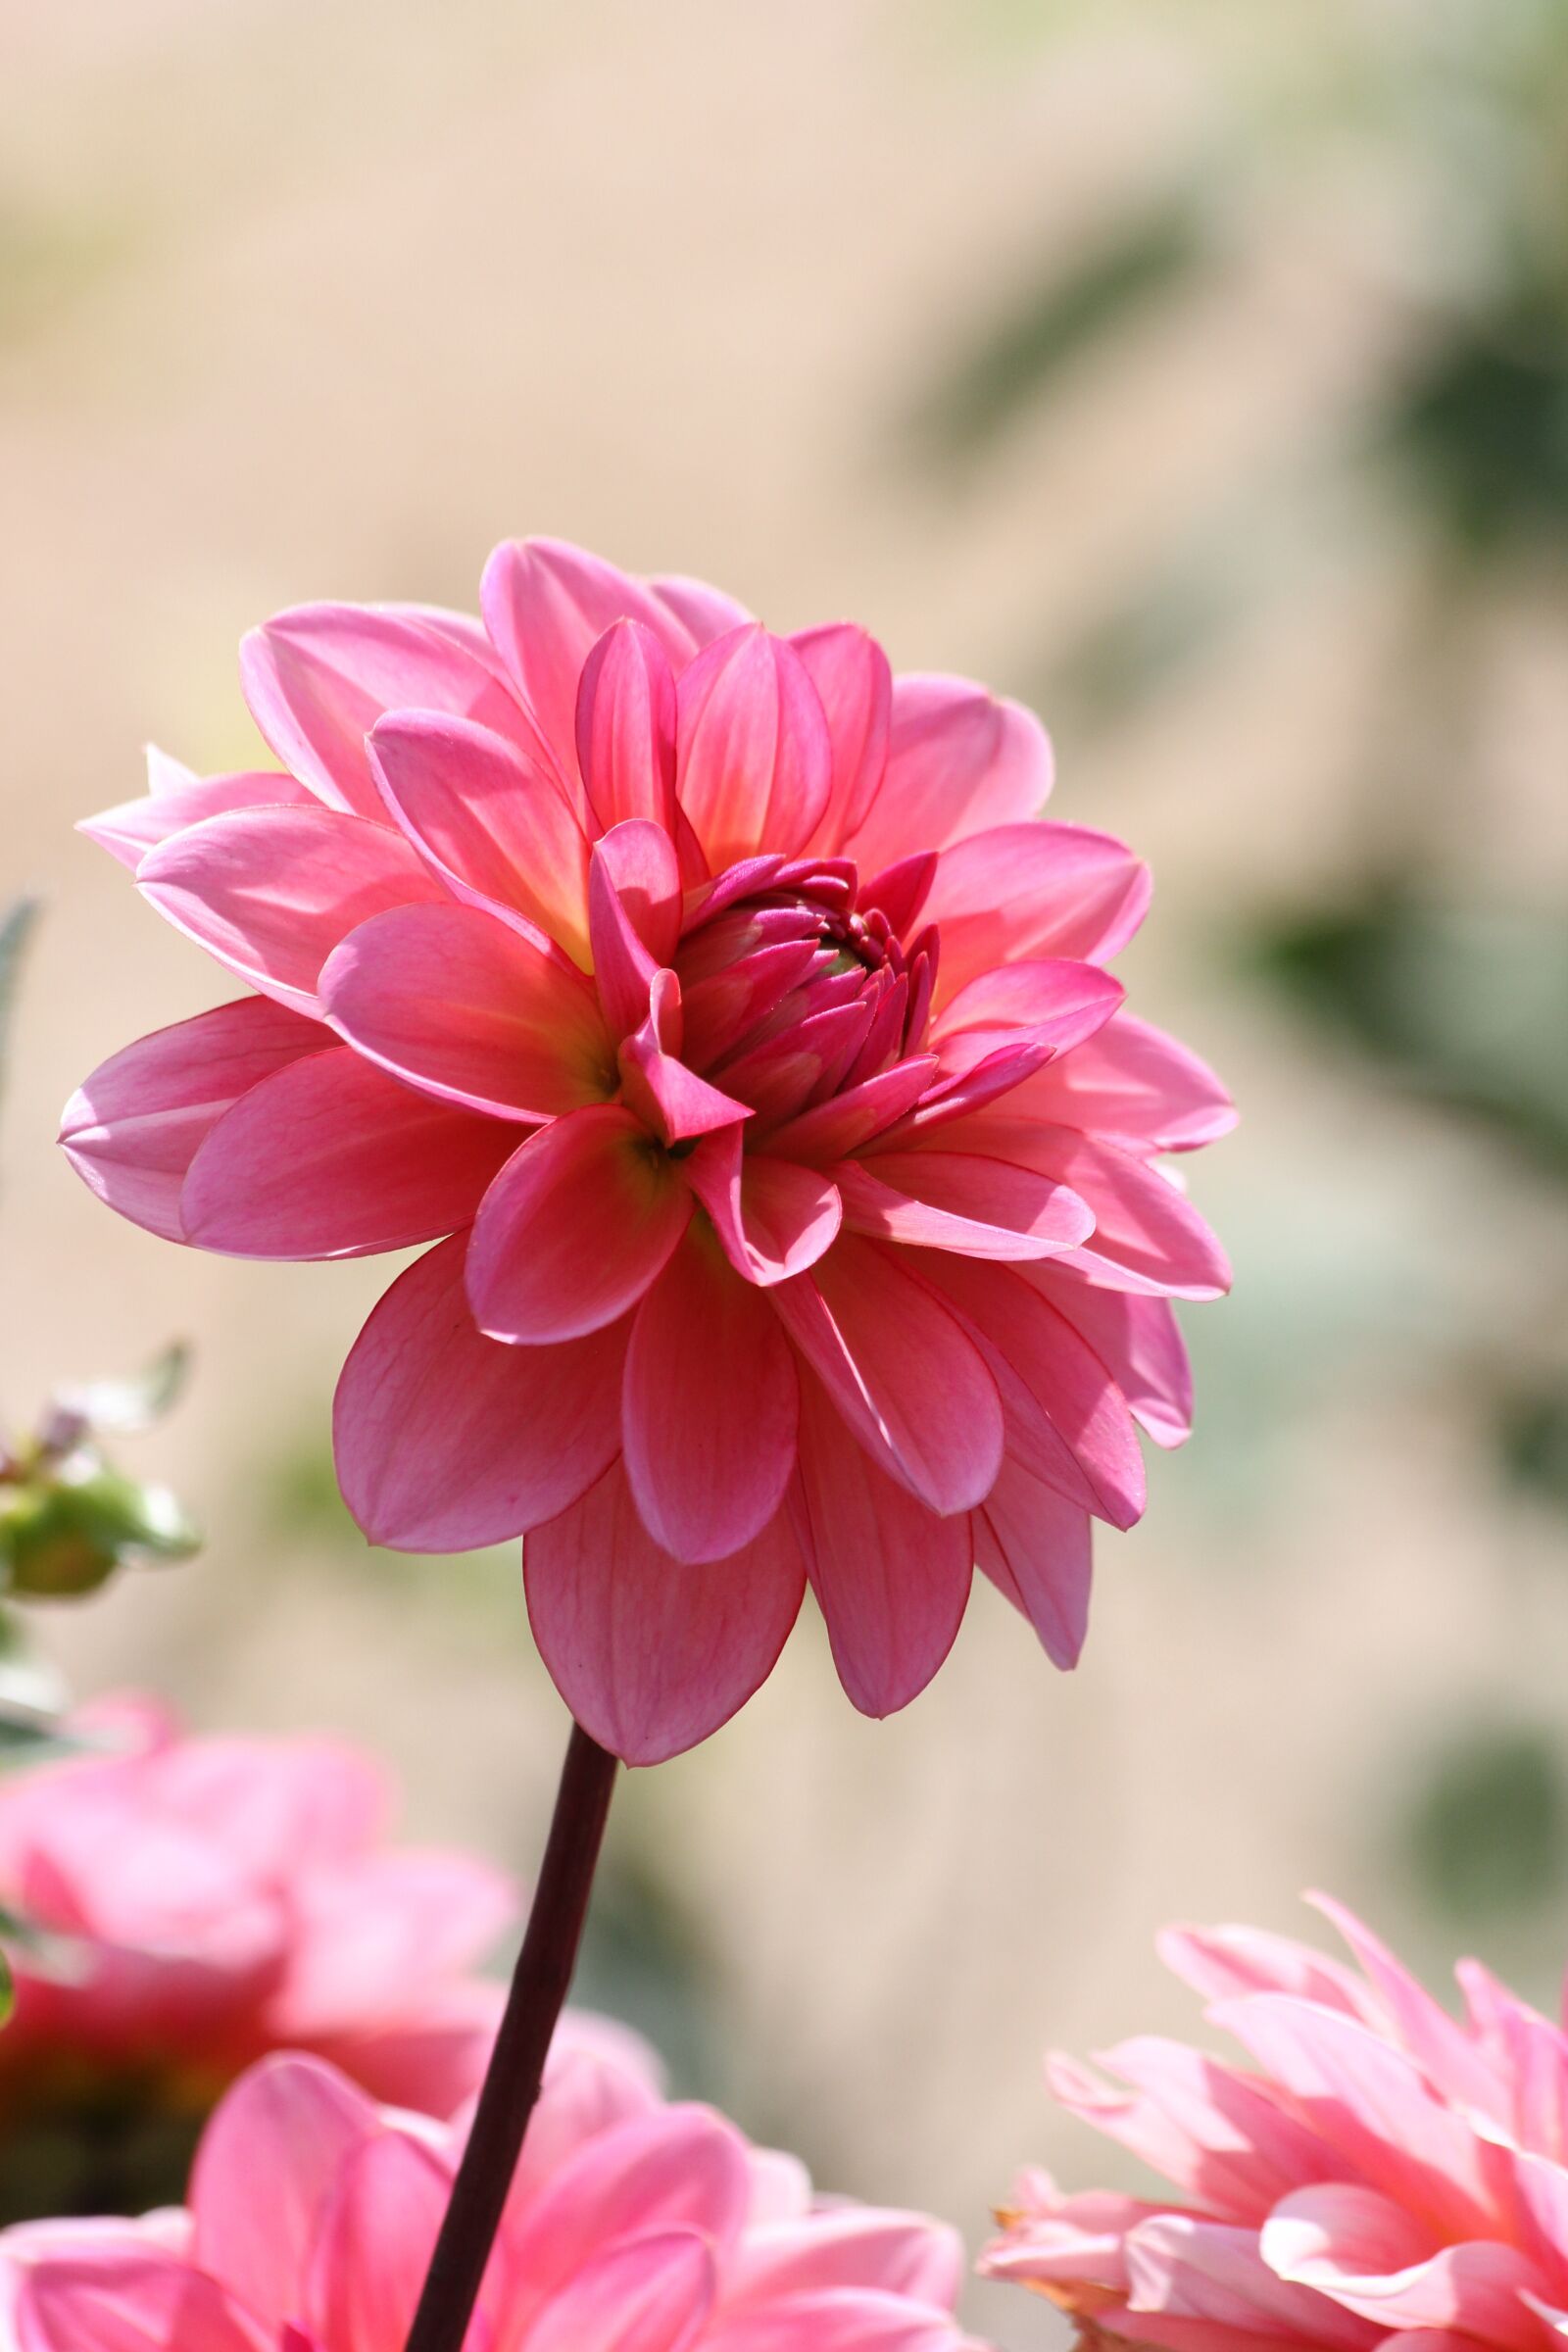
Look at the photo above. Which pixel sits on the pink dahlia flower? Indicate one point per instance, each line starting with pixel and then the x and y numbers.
pixel 631 2227
pixel 1386 2175
pixel 709 1000
pixel 204 1901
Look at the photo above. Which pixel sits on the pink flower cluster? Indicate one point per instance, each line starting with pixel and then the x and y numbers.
pixel 633 2227
pixel 213 1899
pixel 709 1000
pixel 1389 2176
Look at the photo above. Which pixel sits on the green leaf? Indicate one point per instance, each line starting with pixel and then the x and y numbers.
pixel 1489 1831
pixel 16 927
pixel 35 1735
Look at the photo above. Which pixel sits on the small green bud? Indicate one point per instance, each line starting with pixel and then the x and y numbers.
pixel 64 1533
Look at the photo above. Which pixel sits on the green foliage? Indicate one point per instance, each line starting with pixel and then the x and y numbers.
pixel 1484 430
pixel 1487 1834
pixel 16 928
pixel 1532 1434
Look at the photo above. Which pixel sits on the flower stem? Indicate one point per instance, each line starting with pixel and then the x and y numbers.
pixel 510 2088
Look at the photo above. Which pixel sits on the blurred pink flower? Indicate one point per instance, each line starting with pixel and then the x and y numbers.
pixel 633 2227
pixel 714 994
pixel 1390 2175
pixel 215 1899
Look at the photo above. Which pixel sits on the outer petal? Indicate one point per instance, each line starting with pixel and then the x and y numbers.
pixel 317 678
pixel 753 756
pixel 958 1202
pixel 471 1012
pixel 957 761
pixel 495 824
pixel 891 1578
pixel 1367 2255
pixel 1148 1237
pixel 446 1441
pixel 1182 2266
pixel 270 892
pixel 839 2319
pixel 651 2293
pixel 855 686
pixel 373 2246
pixel 129 831
pixel 852 2245
pixel 908 1384
pixel 1033 889
pixel 332 1158
pixel 1132 1086
pixel 1036 1548
pixel 1051 1002
pixel 651 1656
pixel 132 1131
pixel 150 2302
pixel 706 613
pixel 1138 1342
pixel 710 1405
pixel 625 728
pixel 578 1223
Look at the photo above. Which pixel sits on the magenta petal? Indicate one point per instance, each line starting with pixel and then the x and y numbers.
pixel 129 831
pixel 625 728
pixel 494 823
pixel 1040 890
pixel 1138 1342
pixel 855 686
pixel 848 1121
pixel 331 1157
pixel 890 1577
pixel 318 678
pixel 446 1441
pixel 956 1201
pixel 575 1227
pixel 471 1011
pixel 131 1130
pixel 909 1384
pixel 754 760
pixel 709 1408
pixel 774 1218
pixel 270 892
pixel 959 761
pixel 1036 1548
pixel 652 1654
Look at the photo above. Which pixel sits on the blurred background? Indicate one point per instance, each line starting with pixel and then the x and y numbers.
pixel 1198 373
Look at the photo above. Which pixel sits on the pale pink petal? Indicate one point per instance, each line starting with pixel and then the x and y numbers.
pixel 331 1157
pixel 650 1654
pixel 545 603
pixel 1147 1236
pixel 913 1389
pixel 853 2246
pixel 639 862
pixel 1361 2251
pixel 495 824
pixel 1138 1342
pixel 446 1441
pixel 1441 2047
pixel 650 2293
pixel 754 760
pixel 1054 1001
pixel 625 728
pixel 132 1131
pixel 951 1201
pixel 837 2318
pixel 429 2060
pixel 959 761
pixel 597 2075
pixel 1226 1963
pixel 891 1578
pixel 575 1227
pixel 1133 1086
pixel 381 1934
pixel 147 2302
pixel 1033 889
pixel 471 1012
pixel 129 831
pixel 270 892
pixel 710 1405
pixel 706 613
pixel 286 1806
pixel 319 677
pixel 373 2243
pixel 292 2123
pixel 774 1218
pixel 1184 2268
pixel 855 686
pixel 1035 1547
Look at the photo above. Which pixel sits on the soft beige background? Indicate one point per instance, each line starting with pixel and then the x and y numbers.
pixel 321 300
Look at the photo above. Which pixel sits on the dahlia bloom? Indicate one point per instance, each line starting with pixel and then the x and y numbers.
pixel 1389 2176
pixel 707 999
pixel 204 1901
pixel 631 2227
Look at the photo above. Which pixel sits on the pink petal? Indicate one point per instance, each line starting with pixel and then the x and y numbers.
pixel 1226 1963
pixel 292 2123
pixel 625 728
pixel 446 1441
pixel 669 1099
pixel 270 892
pixel 1055 1002
pixel 1366 2255
pixel 1444 2051
pixel 318 678
pixel 950 1200
pixel 913 1389
pixel 1185 2267
pixel 706 613
pixel 597 2075
pixel 832 1130
pixel 471 1012
pixel 1138 1342
pixel 1148 1236
pixel 384 1935
pixel 578 1223
pixel 545 604
pixel 149 2302
pixel 132 1131
pixel 957 761
pixel 853 2246
pixel 373 2244
pixel 1135 1087
pixel 650 1654
pixel 774 1218
pixel 855 686
pixel 332 1158
pixel 494 824
pixel 1033 889
pixel 891 1579
pixel 1035 1547
pixel 755 758
pixel 651 2293
pixel 129 831
pixel 839 2319
pixel 639 862
pixel 710 1405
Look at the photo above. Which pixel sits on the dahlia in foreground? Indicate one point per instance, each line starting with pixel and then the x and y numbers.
pixel 199 1902
pixel 1389 2176
pixel 707 999
pixel 631 2227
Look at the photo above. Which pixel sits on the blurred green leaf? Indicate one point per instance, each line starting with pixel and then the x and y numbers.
pixel 16 927
pixel 1484 429
pixel 1487 1833
pixel 33 1735
pixel 63 1533
pixel 124 1406
pixel 1531 1432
